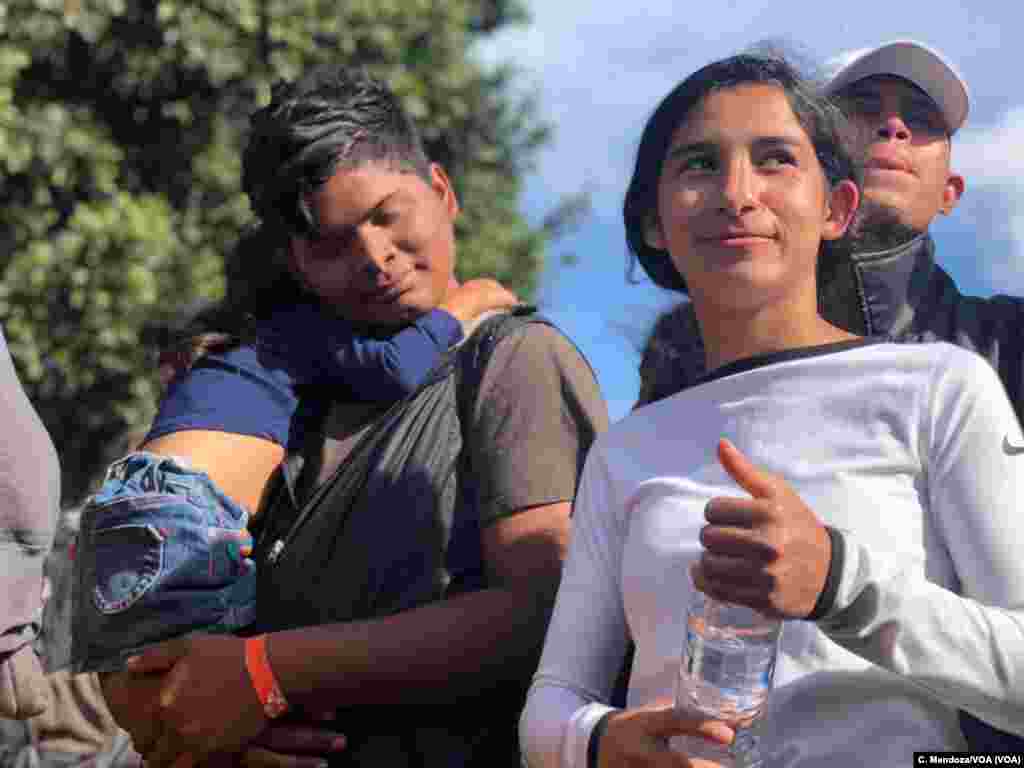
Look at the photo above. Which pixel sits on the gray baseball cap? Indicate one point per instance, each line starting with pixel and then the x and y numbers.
pixel 923 66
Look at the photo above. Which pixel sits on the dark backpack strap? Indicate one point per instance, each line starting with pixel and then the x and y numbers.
pixel 495 742
pixel 464 559
pixel 476 353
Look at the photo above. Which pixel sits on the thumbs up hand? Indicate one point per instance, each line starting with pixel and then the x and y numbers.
pixel 769 552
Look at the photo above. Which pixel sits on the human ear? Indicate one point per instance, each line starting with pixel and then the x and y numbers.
pixel 840 207
pixel 442 185
pixel 653 235
pixel 951 193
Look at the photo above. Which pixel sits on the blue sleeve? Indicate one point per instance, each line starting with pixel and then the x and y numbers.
pixel 238 390
pixel 316 347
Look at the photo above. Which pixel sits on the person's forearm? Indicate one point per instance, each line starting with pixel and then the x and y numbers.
pixel 438 652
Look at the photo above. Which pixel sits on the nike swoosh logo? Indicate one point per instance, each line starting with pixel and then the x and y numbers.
pixel 1011 450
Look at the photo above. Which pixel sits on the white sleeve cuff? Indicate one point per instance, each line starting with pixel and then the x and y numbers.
pixel 577 735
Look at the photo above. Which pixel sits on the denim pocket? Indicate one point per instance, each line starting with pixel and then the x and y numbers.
pixel 129 560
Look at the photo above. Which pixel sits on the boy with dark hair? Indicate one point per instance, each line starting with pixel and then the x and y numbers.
pixel 422 633
pixel 244 379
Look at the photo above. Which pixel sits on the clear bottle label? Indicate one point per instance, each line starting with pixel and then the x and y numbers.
pixel 724 674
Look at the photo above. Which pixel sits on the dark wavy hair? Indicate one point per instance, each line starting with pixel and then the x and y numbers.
pixel 333 117
pixel 819 117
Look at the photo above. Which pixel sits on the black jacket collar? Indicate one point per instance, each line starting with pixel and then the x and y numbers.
pixel 893 284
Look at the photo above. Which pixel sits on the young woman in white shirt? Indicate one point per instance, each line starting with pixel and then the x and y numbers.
pixel 867 492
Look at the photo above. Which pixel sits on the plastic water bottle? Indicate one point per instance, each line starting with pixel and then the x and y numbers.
pixel 726 674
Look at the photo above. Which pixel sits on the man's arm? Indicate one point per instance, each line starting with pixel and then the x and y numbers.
pixel 539 409
pixel 432 655
pixel 444 650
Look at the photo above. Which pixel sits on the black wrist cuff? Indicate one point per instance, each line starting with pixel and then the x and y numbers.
pixel 827 599
pixel 595 739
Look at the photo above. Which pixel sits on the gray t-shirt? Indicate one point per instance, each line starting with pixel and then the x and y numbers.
pixel 538 410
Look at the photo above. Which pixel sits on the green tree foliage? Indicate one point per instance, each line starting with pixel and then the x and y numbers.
pixel 121 123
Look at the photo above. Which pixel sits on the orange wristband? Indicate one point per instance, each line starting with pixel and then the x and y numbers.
pixel 262 677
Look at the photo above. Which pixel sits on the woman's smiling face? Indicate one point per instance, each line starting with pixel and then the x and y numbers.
pixel 742 201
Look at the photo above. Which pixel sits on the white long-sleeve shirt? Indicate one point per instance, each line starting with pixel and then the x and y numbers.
pixel 912 452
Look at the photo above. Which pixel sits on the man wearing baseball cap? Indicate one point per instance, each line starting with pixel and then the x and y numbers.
pixel 905 103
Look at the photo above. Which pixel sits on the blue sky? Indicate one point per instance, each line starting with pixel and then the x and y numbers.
pixel 601 67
